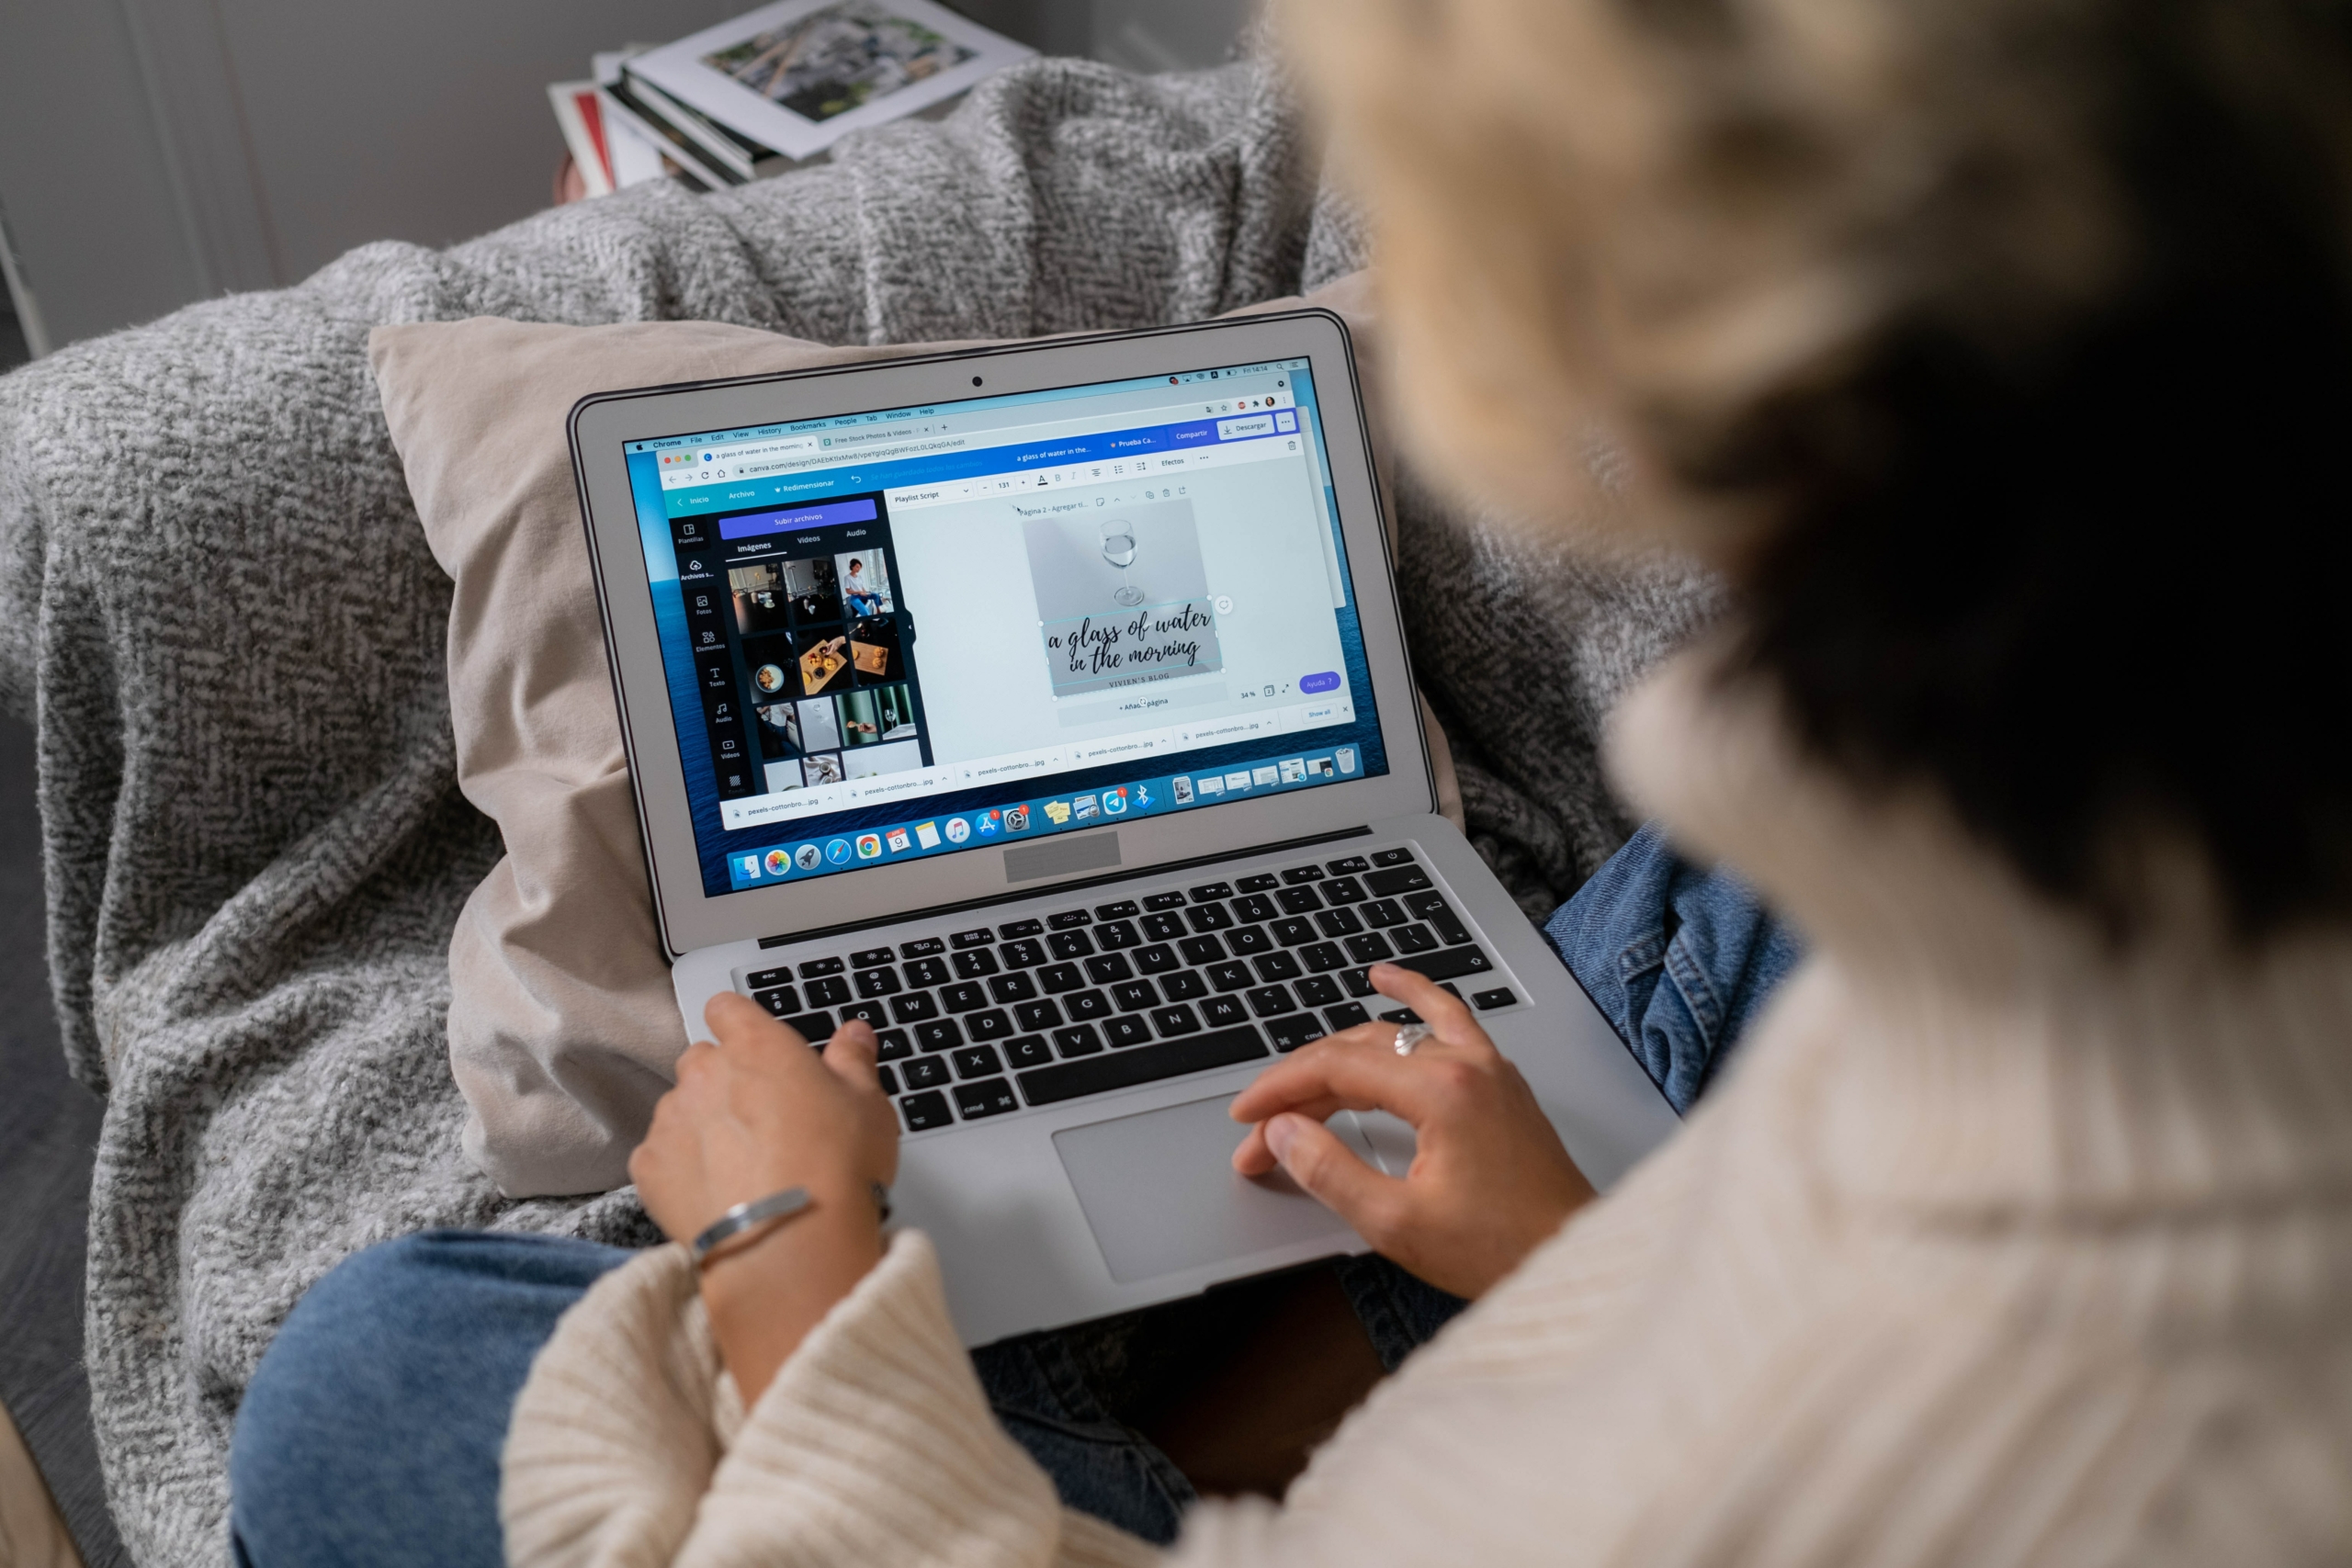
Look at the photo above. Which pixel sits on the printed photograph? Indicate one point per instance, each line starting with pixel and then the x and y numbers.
pixel 842 57
pixel 865 583
pixel 1122 596
pixel 758 597
pixel 870 716
pixel 874 649
pixel 822 656
pixel 895 758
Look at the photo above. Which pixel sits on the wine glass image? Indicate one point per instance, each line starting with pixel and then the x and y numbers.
pixel 1119 549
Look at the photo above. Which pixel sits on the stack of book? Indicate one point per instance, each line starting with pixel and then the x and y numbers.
pixel 769 91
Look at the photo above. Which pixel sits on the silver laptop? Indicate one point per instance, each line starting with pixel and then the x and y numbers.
pixel 1046 706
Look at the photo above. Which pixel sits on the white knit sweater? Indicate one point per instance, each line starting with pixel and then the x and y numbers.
pixel 1994 1250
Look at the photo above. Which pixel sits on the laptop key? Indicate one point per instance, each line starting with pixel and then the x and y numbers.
pixel 924 1072
pixel 1026 954
pixel 1078 1039
pixel 1338 922
pixel 760 979
pixel 1358 982
pixel 1500 997
pixel 892 1045
pixel 1432 907
pixel 1141 1065
pixel 1163 927
pixel 1135 995
pixel 1247 939
pixel 1451 963
pixel 1127 1031
pixel 1208 917
pixel 1264 882
pixel 1300 900
pixel 1347 1015
pixel 889 1079
pixel 1289 1033
pixel 1323 957
pixel 817 966
pixel 1029 1051
pixel 1123 910
pixel 1105 968
pixel 962 996
pixel 1230 976
pixel 1317 990
pixel 829 992
pixel 1210 892
pixel 989 1025
pixel 1383 912
pixel 922 947
pixel 1184 986
pixel 1175 1020
pixel 1344 890
pixel 1347 865
pixel 1299 873
pixel 1037 1015
pixel 1291 932
pixel 925 1112
pixel 782 1001
pixel 1397 879
pixel 1012 930
pixel 1013 987
pixel 1157 959
pixel 1257 906
pixel 1222 1010
pixel 1200 950
pixel 816 1027
pixel 866 958
pixel 977 1062
pixel 974 963
pixel 1268 1000
pixel 1400 1015
pixel 1115 935
pixel 1369 948
pixel 1059 977
pixel 1172 899
pixel 914 1006
pixel 927 972
pixel 945 1034
pixel 1392 857
pixel 977 938
pixel 870 1011
pixel 1414 938
pixel 1071 944
pixel 992 1097
pixel 1067 919
pixel 1276 965
pixel 872 983
pixel 1087 1004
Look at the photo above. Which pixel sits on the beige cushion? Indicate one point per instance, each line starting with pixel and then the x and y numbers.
pixel 563 1024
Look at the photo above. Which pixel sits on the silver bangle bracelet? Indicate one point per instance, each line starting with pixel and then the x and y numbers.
pixel 759 1212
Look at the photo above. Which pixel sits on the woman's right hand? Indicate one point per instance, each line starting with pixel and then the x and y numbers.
pixel 1489 1181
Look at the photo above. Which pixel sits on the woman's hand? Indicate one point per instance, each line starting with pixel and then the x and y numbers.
pixel 1489 1181
pixel 757 1112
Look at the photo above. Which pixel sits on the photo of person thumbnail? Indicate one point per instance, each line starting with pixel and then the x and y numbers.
pixel 824 769
pixel 865 583
pixel 779 728
pixel 813 589
pixel 821 656
pixel 873 716
pixel 896 758
pixel 759 598
pixel 874 649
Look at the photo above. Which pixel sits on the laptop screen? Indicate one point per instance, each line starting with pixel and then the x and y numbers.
pixel 916 631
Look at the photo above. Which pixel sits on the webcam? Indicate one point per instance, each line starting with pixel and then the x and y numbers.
pixel 975 380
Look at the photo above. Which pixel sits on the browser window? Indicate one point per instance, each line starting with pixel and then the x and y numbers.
pixel 916 631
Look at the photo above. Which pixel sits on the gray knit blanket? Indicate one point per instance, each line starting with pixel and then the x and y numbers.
pixel 216 606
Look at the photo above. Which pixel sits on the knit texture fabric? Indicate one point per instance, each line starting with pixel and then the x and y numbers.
pixel 217 605
pixel 1994 1248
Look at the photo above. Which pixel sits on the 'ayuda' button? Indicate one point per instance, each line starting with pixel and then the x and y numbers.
pixel 1326 681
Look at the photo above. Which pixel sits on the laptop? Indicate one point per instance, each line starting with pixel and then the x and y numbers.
pixel 1048 708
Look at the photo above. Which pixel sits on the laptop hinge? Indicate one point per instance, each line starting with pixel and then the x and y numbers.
pixel 1021 895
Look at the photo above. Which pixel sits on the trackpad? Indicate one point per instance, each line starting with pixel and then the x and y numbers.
pixel 1160 1193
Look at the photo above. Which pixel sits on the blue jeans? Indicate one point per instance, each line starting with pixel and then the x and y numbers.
pixel 370 1433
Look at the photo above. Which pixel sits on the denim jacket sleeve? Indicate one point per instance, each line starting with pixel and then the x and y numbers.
pixel 1679 957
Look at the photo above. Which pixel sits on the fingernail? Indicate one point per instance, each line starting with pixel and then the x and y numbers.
pixel 1279 1135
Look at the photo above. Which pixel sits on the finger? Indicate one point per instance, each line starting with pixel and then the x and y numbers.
pixel 1354 1071
pixel 739 1020
pixel 851 1055
pixel 1438 1008
pixel 1312 1155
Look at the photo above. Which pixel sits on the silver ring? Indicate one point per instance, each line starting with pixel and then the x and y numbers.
pixel 1413 1035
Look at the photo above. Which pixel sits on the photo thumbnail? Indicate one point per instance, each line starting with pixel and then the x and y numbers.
pixel 865 580
pixel 873 716
pixel 824 769
pixel 812 590
pixel 822 654
pixel 771 660
pixel 779 728
pixel 874 649
pixel 1122 596
pixel 895 758
pixel 759 595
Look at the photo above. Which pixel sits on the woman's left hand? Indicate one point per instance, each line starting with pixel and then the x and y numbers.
pixel 754 1113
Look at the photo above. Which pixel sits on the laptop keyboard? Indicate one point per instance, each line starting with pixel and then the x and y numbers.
pixel 1102 996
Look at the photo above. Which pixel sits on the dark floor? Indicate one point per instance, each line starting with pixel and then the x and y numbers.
pixel 48 1124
